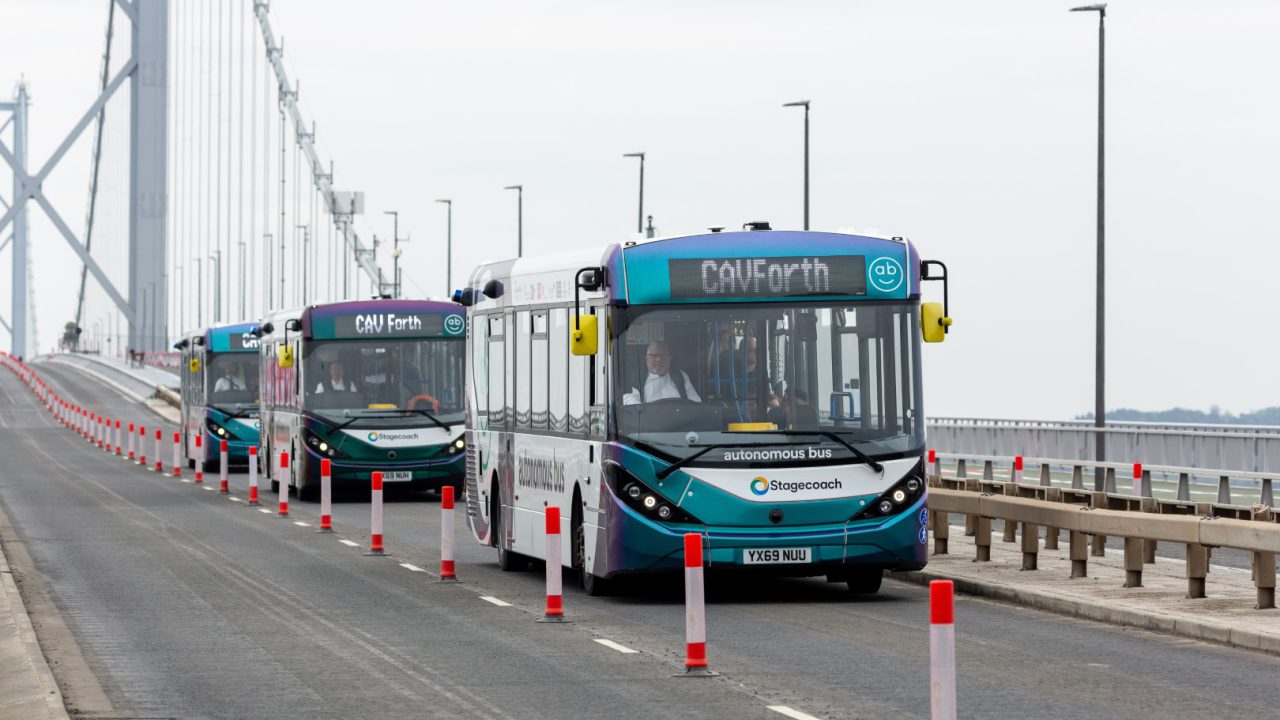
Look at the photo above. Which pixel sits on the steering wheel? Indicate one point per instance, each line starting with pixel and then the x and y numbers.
pixel 435 404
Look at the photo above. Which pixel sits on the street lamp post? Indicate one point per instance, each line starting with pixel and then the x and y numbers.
pixel 395 251
pixel 448 248
pixel 640 213
pixel 805 105
pixel 519 218
pixel 1100 355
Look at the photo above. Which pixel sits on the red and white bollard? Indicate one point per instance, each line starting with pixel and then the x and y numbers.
pixel 933 460
pixel 1137 479
pixel 695 611
pixel 97 430
pixel 118 437
pixel 375 519
pixel 223 486
pixel 447 573
pixel 142 445
pixel 131 452
pixel 942 649
pixel 159 464
pixel 554 612
pixel 282 483
pixel 326 496
pixel 1017 470
pixel 253 475
pixel 177 453
pixel 199 458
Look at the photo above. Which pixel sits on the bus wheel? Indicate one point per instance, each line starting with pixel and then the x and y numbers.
pixel 508 561
pixel 592 584
pixel 307 493
pixel 865 582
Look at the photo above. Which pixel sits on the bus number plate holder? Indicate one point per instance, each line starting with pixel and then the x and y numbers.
pixel 776 556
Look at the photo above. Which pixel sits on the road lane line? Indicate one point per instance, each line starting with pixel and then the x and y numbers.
pixel 299 523
pixel 209 488
pixel 495 601
pixel 611 644
pixel 414 568
pixel 264 510
pixel 795 714
pixel 185 480
pixel 348 542
pixel 233 498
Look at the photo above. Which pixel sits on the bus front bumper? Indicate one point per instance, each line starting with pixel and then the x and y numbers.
pixel 636 544
pixel 433 473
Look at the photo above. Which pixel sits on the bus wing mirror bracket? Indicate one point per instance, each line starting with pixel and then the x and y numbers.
pixel 194 365
pixel 584 337
pixel 935 319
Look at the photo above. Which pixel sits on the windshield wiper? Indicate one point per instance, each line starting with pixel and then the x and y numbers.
pixel 663 473
pixel 826 434
pixel 423 413
pixel 228 413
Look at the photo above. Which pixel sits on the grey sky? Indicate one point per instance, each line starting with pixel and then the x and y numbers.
pixel 968 127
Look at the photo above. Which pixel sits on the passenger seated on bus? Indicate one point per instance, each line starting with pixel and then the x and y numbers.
pixel 336 381
pixel 230 379
pixel 658 383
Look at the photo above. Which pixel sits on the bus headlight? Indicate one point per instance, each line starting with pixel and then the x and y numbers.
pixel 902 495
pixel 320 446
pixel 641 498
pixel 457 446
pixel 215 428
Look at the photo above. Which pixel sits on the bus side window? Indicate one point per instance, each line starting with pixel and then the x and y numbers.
pixel 578 370
pixel 523 369
pixel 497 371
pixel 558 371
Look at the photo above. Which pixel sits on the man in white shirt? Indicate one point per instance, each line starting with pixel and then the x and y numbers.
pixel 336 381
pixel 658 384
pixel 228 381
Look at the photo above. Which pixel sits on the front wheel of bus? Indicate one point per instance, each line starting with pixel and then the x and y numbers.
pixel 508 561
pixel 865 582
pixel 592 584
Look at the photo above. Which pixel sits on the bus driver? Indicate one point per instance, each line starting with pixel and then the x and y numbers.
pixel 658 383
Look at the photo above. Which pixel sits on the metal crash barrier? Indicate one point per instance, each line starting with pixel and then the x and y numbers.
pixel 1139 517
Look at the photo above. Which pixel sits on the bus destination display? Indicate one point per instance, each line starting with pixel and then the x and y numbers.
pixel 388 324
pixel 764 277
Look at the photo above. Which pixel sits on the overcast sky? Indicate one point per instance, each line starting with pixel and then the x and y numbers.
pixel 967 126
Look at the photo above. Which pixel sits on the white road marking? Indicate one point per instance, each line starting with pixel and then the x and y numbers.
pixel 414 568
pixel 264 510
pixel 795 714
pixel 495 601
pixel 348 542
pixel 611 644
pixel 209 488
pixel 299 523
pixel 233 498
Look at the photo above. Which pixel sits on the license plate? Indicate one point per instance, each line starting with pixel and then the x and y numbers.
pixel 397 476
pixel 775 556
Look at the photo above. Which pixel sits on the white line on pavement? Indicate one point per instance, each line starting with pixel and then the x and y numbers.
pixel 348 542
pixel 611 644
pixel 264 510
pixel 495 601
pixel 233 498
pixel 209 488
pixel 185 480
pixel 414 568
pixel 795 714
pixel 299 523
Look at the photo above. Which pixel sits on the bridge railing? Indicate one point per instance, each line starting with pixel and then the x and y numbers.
pixel 1252 448
pixel 1143 516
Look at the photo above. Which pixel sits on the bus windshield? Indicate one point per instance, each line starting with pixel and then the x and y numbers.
pixel 371 379
pixel 773 382
pixel 233 383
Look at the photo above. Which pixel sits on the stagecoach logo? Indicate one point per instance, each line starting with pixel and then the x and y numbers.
pixel 454 324
pixel 392 436
pixel 761 486
pixel 885 274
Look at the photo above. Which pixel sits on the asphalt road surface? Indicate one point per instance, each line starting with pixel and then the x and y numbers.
pixel 155 598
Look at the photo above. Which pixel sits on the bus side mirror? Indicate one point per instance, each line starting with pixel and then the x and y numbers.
pixel 194 365
pixel 583 338
pixel 285 357
pixel 933 322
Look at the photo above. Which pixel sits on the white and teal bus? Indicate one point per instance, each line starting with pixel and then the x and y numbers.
pixel 219 388
pixel 369 385
pixel 762 388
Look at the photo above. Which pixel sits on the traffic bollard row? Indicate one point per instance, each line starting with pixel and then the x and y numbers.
pixel 554 611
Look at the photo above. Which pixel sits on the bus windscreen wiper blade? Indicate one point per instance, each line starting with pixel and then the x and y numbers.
pixel 379 411
pixel 832 436
pixel 663 473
